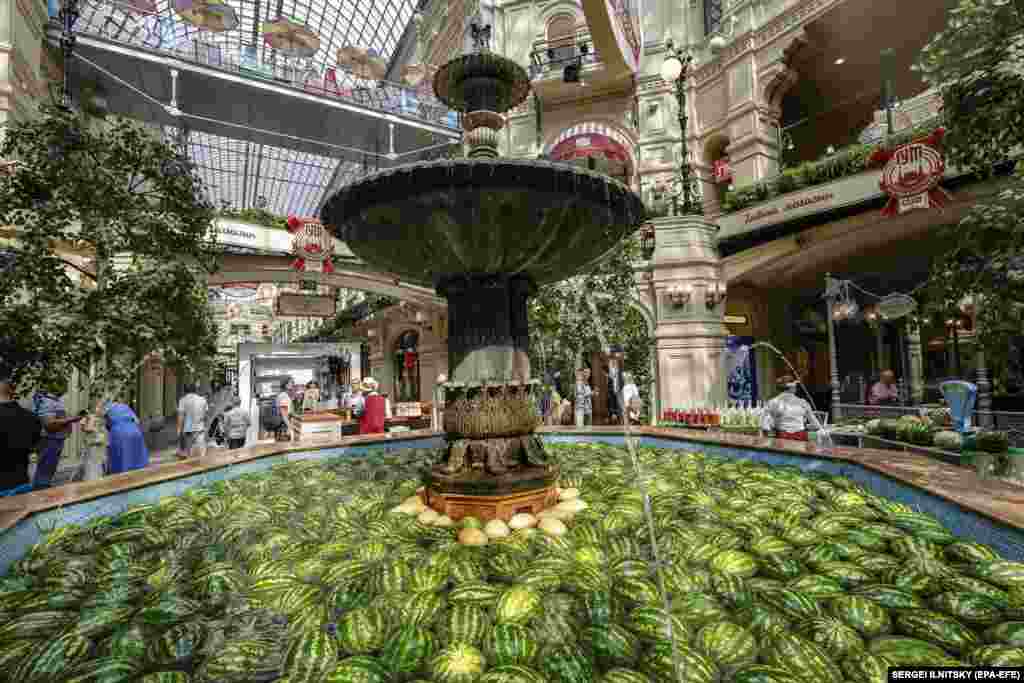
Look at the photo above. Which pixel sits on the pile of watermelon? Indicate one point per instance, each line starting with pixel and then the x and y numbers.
pixel 305 574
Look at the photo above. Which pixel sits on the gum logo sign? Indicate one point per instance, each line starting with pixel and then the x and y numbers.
pixel 911 175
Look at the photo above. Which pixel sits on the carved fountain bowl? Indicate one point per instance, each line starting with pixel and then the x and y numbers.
pixel 429 221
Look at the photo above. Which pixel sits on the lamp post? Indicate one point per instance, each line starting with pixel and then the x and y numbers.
pixel 68 16
pixel 674 70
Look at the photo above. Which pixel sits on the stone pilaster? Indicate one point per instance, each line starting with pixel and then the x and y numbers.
pixel 915 361
pixel 690 337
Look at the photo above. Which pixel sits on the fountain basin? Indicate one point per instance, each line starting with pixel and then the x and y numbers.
pixel 431 222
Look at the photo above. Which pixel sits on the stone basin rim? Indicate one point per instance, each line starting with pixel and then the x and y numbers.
pixel 405 170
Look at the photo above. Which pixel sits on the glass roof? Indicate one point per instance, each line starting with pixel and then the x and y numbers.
pixel 375 25
pixel 240 174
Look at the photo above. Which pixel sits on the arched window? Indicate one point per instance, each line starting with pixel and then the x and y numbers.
pixel 407 368
pixel 712 16
pixel 561 35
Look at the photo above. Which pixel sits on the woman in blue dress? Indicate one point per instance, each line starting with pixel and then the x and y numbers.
pixel 126 445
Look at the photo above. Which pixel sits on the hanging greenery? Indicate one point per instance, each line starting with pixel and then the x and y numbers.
pixel 564 329
pixel 976 63
pixel 130 205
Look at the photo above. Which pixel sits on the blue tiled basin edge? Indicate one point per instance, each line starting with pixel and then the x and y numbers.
pixel 967 524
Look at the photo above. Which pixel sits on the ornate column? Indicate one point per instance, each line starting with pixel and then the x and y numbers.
pixel 833 356
pixel 915 363
pixel 690 336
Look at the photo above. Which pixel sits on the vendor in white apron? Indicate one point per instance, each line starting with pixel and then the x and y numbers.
pixel 787 416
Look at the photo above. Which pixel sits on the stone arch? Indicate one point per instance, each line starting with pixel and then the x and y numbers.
pixel 779 77
pixel 650 318
pixel 555 10
pixel 599 126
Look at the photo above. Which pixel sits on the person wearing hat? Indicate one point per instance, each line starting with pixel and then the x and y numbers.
pixel 372 419
pixel 787 416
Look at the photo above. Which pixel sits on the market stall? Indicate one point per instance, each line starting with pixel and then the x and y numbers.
pixel 263 369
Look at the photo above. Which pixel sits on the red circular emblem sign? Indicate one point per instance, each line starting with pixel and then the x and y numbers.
pixel 912 170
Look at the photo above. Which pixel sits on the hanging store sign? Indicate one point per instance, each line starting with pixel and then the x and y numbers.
pixel 303 306
pixel 722 170
pixel 912 174
pixel 312 245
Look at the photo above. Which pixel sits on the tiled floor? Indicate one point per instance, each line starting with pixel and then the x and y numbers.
pixel 991 498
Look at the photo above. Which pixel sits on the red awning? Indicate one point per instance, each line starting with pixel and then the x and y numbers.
pixel 590 145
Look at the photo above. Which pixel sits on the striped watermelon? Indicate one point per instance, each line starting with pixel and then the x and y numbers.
pixel 620 675
pixel 660 660
pixel 1008 633
pixel 566 664
pixel 165 677
pixel 423 608
pixel 735 563
pixel 759 673
pixel 408 650
pixel 510 643
pixel 890 597
pixel 937 628
pixel 457 663
pixel 512 673
pixel 997 655
pixel 968 552
pixel 834 637
pixel 652 624
pixel 53 657
pixel 802 657
pixel 362 630
pixel 310 657
pixel 359 669
pixel 467 623
pixel 817 586
pixel 103 670
pixel 474 593
pixel 517 605
pixel 793 604
pixel 1000 572
pixel 972 608
pixel 611 644
pixel 727 644
pixel 903 651
pixel 866 668
pixel 862 614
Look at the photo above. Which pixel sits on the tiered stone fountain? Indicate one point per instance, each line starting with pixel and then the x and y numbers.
pixel 485 232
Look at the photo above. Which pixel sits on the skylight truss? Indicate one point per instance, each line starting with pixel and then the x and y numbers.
pixel 240 174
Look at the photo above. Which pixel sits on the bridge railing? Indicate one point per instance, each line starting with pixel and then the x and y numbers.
pixel 231 51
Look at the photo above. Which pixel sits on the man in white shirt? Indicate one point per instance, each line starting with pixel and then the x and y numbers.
pixel 284 406
pixel 787 415
pixel 630 398
pixel 192 409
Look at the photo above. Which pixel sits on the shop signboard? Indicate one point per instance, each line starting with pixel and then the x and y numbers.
pixel 741 373
pixel 911 175
pixel 304 306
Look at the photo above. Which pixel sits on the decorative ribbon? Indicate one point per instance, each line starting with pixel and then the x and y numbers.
pixel 937 197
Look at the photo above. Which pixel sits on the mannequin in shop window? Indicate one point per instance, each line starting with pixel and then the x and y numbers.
pixel 787 416
pixel 372 419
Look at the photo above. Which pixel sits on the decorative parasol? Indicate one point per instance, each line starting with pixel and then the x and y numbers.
pixel 215 17
pixel 142 6
pixel 290 37
pixel 416 75
pixel 363 63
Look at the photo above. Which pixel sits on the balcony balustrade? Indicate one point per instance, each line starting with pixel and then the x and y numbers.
pixel 549 58
pixel 168 34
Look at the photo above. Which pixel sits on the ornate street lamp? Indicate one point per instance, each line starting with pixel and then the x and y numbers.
pixel 674 70
pixel 68 16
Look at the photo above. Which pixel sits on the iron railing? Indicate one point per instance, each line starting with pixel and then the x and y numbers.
pixel 557 53
pixel 1000 420
pixel 168 34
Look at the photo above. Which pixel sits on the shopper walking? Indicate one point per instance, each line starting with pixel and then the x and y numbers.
pixel 285 408
pixel 48 406
pixel 126 445
pixel 584 400
pixel 236 424
pixel 192 410
pixel 20 431
pixel 630 398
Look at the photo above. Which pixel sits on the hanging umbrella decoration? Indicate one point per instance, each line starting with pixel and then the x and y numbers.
pixel 312 245
pixel 290 38
pixel 215 17
pixel 363 63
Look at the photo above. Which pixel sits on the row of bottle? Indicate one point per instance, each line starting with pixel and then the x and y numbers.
pixel 746 415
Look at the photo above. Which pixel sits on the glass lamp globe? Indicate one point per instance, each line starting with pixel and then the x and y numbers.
pixel 671 69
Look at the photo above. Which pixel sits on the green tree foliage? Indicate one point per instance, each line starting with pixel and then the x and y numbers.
pixel 978 63
pixel 563 326
pixel 115 191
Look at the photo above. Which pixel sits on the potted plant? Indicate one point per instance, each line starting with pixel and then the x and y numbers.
pixel 991 448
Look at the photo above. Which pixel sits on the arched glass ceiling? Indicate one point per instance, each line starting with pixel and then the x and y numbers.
pixel 371 24
pixel 240 174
